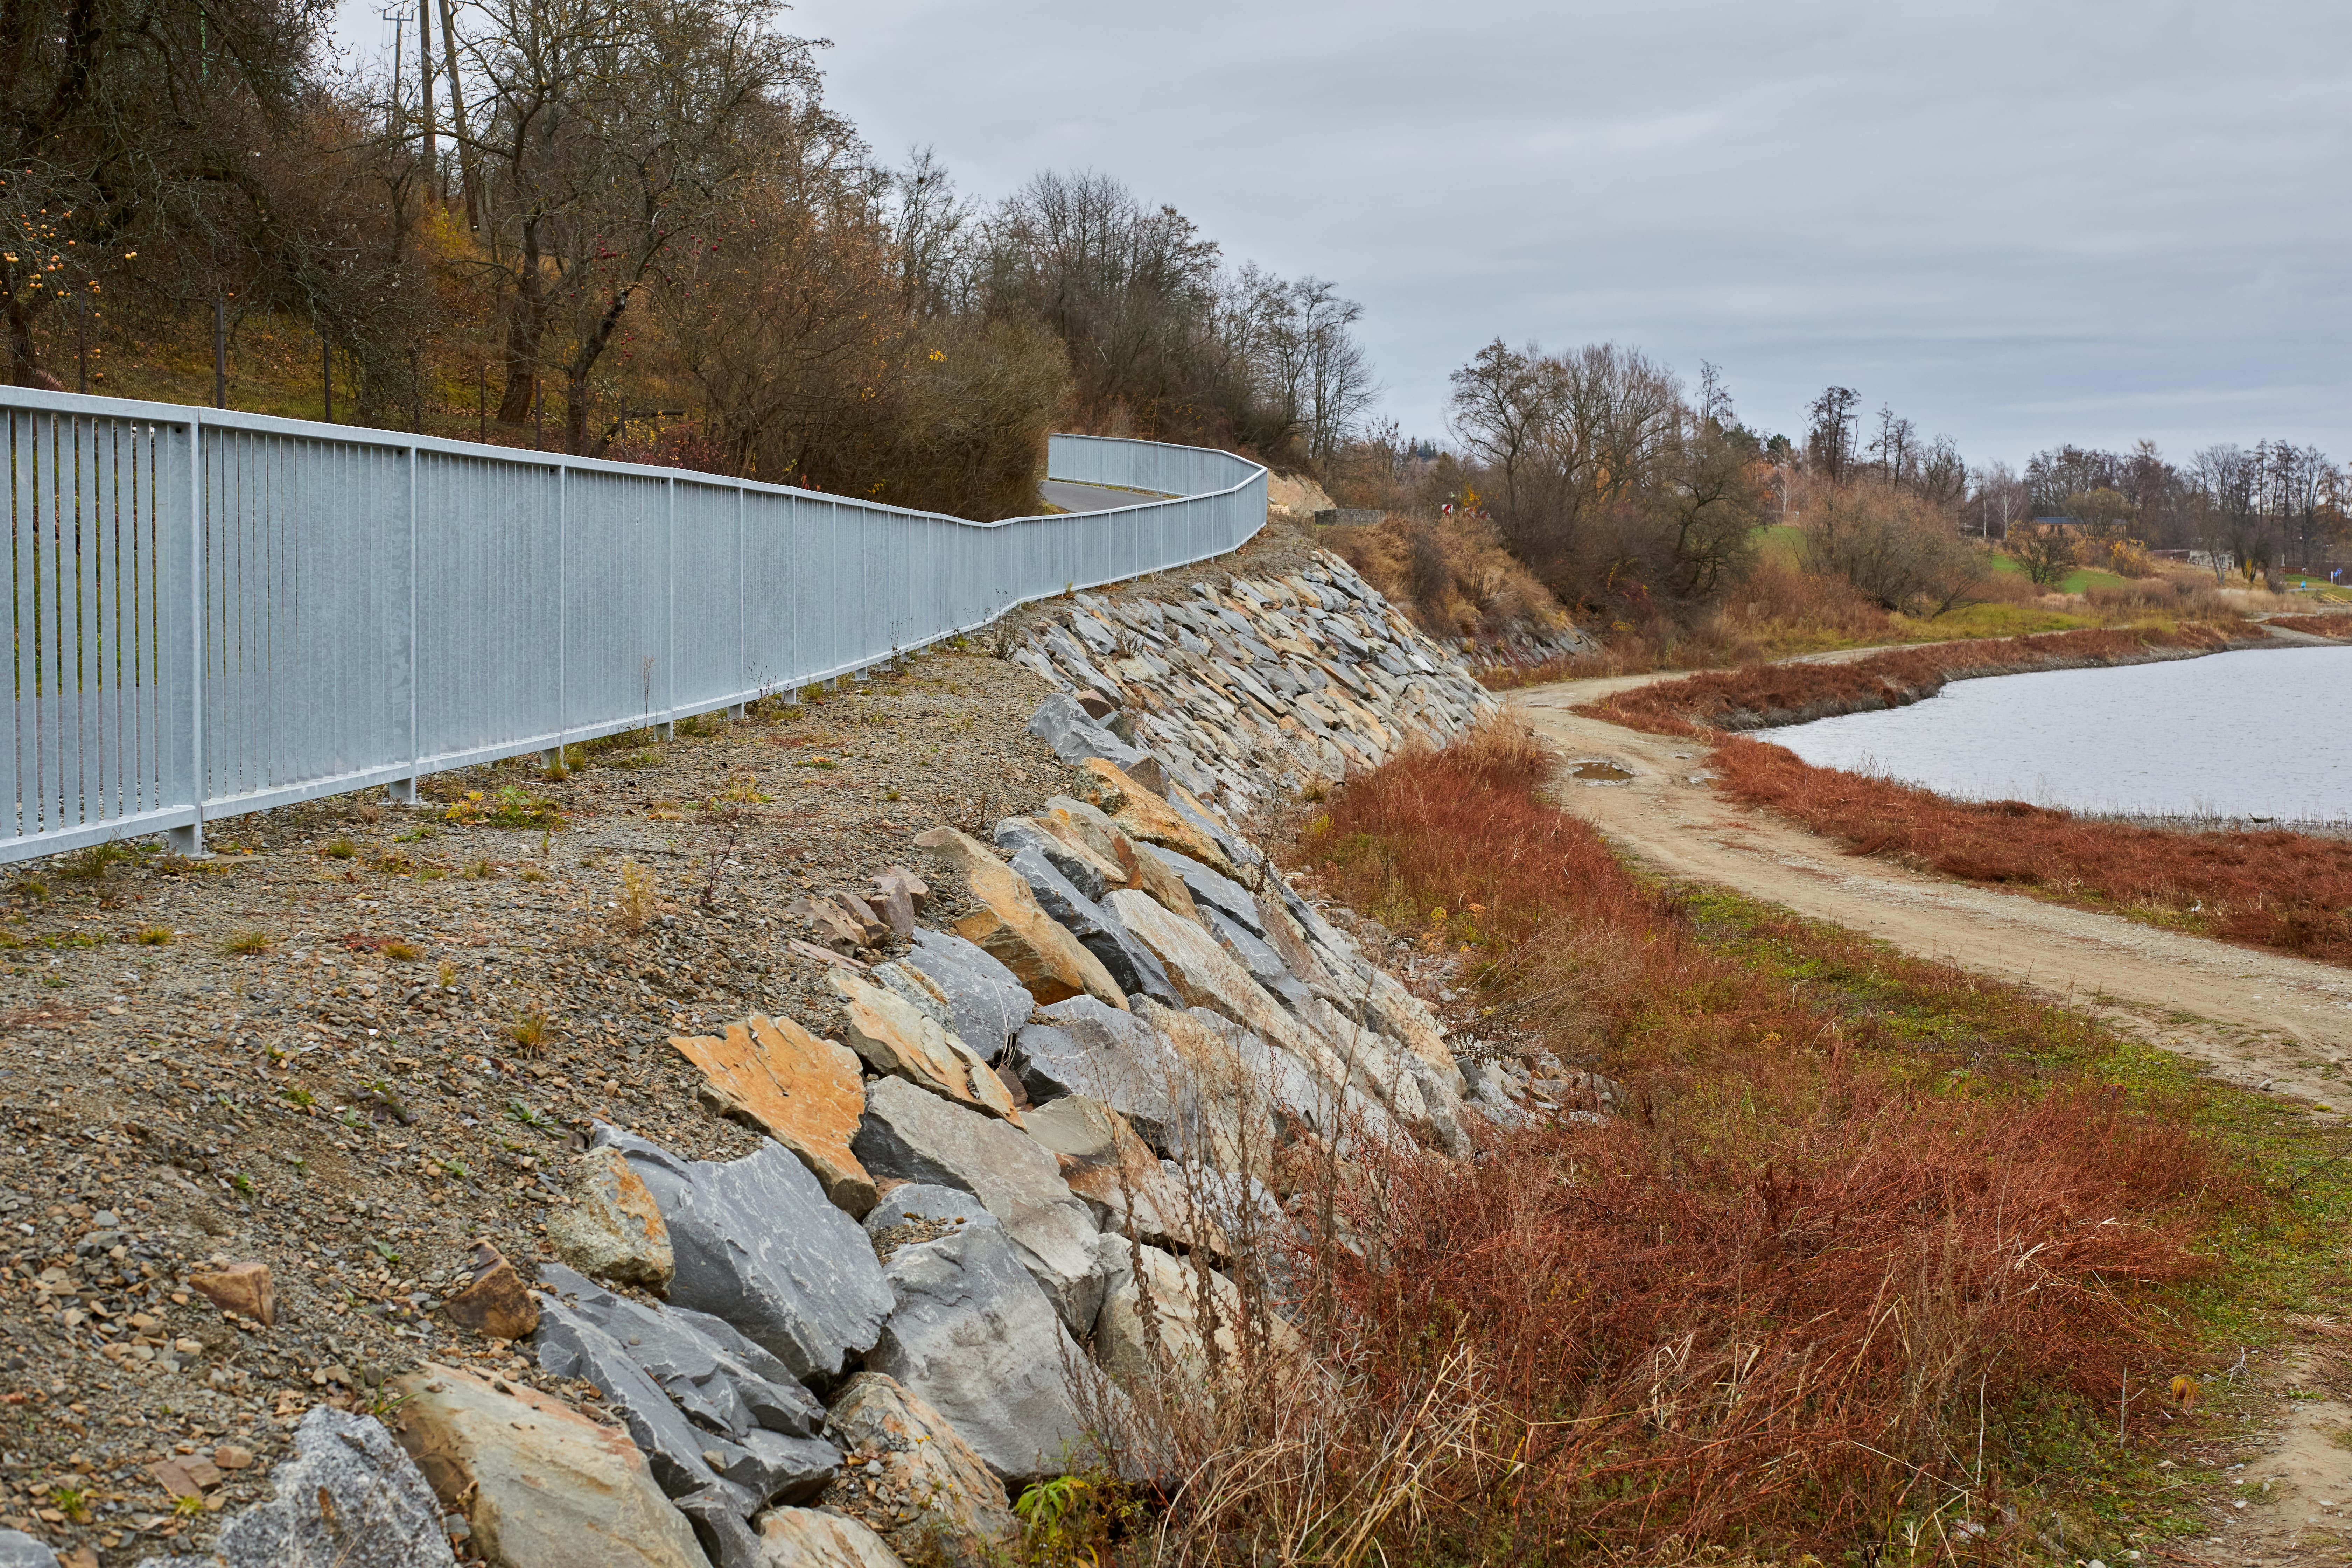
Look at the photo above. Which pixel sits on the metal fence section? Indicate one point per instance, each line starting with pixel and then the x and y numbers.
pixel 217 612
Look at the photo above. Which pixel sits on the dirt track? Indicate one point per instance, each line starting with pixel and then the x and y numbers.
pixel 2258 1019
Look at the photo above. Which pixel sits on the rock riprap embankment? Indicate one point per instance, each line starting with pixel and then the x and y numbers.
pixel 1020 1171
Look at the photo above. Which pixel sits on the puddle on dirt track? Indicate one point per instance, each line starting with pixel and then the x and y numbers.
pixel 1606 772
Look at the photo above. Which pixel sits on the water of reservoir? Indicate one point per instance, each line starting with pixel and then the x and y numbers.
pixel 2261 733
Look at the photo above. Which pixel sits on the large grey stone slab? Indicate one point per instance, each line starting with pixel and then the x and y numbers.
pixel 570 1345
pixel 919 1137
pixel 1131 965
pixel 1089 873
pixel 1211 888
pixel 1062 724
pixel 723 1381
pixel 759 1245
pixel 1256 955
pixel 348 1497
pixel 1082 1047
pixel 986 1000
pixel 974 1337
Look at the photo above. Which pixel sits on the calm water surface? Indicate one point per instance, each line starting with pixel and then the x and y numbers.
pixel 2262 733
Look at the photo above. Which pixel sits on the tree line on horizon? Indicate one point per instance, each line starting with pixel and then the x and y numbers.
pixel 632 231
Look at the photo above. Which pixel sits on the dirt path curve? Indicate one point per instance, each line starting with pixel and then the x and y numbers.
pixel 2258 1019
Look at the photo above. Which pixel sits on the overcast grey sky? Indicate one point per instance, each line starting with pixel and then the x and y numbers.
pixel 2019 223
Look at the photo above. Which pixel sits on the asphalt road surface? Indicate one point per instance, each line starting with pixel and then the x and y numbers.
pixel 1089 497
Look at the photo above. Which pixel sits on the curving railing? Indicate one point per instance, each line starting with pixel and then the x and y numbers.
pixel 216 613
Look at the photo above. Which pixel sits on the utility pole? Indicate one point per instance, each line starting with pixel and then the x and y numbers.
pixel 424 76
pixel 458 120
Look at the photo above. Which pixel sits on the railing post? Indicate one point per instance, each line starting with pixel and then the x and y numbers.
pixel 190 840
pixel 404 790
pixel 667 728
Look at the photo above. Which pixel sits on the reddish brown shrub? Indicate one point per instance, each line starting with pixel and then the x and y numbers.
pixel 1789 693
pixel 2275 889
pixel 2317 625
pixel 1764 1306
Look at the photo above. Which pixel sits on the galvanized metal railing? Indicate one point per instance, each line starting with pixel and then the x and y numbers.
pixel 218 613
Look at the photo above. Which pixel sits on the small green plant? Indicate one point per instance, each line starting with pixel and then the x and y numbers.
pixel 391 863
pixel 517 1112
pixel 401 952
pixel 478 872
pixel 697 726
pixel 246 944
pixel 90 865
pixel 56 981
pixel 30 887
pixel 449 1167
pixel 152 936
pixel 432 873
pixel 351 1118
pixel 1070 1519
pixel 415 835
pixel 889 794
pixel 301 1097
pixel 530 1031
pixel 188 1505
pixel 382 1249
pixel 532 874
pixel 341 849
pixel 446 975
pixel 71 1501
pixel 242 1182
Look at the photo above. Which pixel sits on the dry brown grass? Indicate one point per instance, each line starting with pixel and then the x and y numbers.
pixel 1764 695
pixel 2274 889
pixel 1766 1308
pixel 1454 578
pixel 2317 625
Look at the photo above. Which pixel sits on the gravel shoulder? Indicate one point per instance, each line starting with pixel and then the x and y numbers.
pixel 2256 1018
pixel 353 1043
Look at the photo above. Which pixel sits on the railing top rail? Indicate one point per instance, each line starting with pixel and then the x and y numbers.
pixel 192 414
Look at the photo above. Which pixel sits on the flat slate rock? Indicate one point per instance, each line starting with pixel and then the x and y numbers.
pixel 1133 966
pixel 1062 724
pixel 18 1550
pixel 974 1337
pixel 570 1345
pixel 919 1137
pixel 759 1245
pixel 1081 1047
pixel 987 1001
pixel 723 1381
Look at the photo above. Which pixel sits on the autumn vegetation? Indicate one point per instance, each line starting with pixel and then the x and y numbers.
pixel 1835 1275
pixel 627 231
pixel 2288 891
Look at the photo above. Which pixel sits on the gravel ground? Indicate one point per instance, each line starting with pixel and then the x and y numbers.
pixel 361 1038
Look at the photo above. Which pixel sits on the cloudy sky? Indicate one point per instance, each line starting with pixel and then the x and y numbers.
pixel 2020 224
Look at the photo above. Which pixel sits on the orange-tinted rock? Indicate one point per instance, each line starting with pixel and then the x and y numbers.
pixel 1143 815
pixel 802 1092
pixel 612 1229
pixel 244 1289
pixel 1012 929
pixel 898 1038
pixel 497 1303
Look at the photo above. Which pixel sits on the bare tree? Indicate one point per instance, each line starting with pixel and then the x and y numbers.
pixel 1829 440
pixel 614 132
